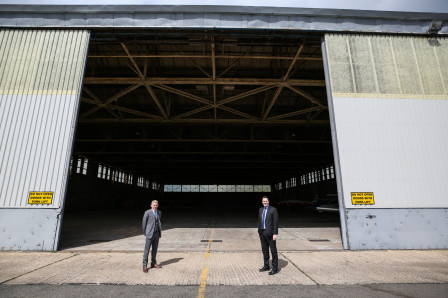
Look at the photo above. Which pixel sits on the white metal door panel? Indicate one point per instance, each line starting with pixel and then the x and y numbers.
pixel 390 100
pixel 388 104
pixel 400 157
pixel 41 73
pixel 40 84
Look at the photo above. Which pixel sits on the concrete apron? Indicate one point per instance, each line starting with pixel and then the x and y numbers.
pixel 122 232
pixel 224 239
pixel 212 267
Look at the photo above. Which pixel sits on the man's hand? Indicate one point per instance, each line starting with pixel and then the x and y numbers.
pixel 274 237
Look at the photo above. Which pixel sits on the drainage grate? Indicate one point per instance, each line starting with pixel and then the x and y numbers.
pixel 211 240
pixel 318 240
pixel 99 241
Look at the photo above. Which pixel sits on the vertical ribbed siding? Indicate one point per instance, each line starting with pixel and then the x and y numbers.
pixel 40 77
pixel 388 66
pixel 390 104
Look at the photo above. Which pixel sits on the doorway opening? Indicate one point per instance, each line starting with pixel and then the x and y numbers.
pixel 206 122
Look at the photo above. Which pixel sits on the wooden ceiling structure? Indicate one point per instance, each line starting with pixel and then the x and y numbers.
pixel 205 106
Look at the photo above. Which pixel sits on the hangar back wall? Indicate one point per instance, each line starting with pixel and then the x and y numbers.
pixel 389 107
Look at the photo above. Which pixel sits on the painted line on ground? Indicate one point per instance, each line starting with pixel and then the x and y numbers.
pixel 204 272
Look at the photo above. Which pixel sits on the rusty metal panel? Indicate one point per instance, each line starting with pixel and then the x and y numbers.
pixel 40 77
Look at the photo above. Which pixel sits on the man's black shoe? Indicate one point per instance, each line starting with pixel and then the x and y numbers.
pixel 272 272
pixel 264 269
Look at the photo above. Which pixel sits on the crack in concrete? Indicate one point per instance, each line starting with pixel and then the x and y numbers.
pixel 299 268
pixel 3 282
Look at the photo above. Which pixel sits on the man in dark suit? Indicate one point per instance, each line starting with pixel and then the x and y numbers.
pixel 268 231
pixel 152 229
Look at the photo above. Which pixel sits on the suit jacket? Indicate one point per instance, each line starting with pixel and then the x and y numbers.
pixel 271 221
pixel 149 221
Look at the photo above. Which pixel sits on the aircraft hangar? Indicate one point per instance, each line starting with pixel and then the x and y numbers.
pixel 109 109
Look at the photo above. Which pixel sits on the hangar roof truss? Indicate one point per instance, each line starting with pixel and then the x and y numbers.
pixel 190 106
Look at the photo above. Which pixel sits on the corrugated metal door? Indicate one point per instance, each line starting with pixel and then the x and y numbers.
pixel 40 80
pixel 389 101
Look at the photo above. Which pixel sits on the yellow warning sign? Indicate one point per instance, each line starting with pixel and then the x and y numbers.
pixel 40 197
pixel 362 198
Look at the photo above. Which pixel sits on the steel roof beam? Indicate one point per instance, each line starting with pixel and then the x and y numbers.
pixel 284 79
pixel 201 121
pixel 110 99
pixel 202 141
pixel 123 109
pixel 202 81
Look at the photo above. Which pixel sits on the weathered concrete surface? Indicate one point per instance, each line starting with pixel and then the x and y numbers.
pixel 373 267
pixel 355 291
pixel 233 240
pixel 16 264
pixel 121 232
pixel 226 268
pixel 105 250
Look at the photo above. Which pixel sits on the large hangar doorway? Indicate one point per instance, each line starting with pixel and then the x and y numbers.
pixel 203 121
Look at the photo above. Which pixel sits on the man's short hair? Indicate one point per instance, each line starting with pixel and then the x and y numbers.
pixel 265 197
pixel 154 201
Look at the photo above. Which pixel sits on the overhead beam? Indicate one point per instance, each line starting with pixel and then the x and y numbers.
pixel 110 99
pixel 286 76
pixel 304 111
pixel 156 100
pixel 213 163
pixel 121 153
pixel 183 93
pixel 201 141
pixel 239 113
pixel 273 100
pixel 202 121
pixel 129 56
pixel 306 95
pixel 234 63
pixel 201 109
pixel 97 101
pixel 244 95
pixel 208 56
pixel 147 86
pixel 284 79
pixel 202 81
pixel 123 109
pixel 194 62
pixel 214 77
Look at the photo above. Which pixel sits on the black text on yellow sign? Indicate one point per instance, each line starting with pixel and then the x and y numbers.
pixel 362 198
pixel 37 197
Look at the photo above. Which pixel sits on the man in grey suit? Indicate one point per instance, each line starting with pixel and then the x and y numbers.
pixel 268 231
pixel 152 229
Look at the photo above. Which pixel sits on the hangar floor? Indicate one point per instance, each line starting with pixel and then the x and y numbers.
pixel 191 229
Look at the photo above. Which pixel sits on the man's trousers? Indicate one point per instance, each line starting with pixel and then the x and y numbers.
pixel 266 243
pixel 154 242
